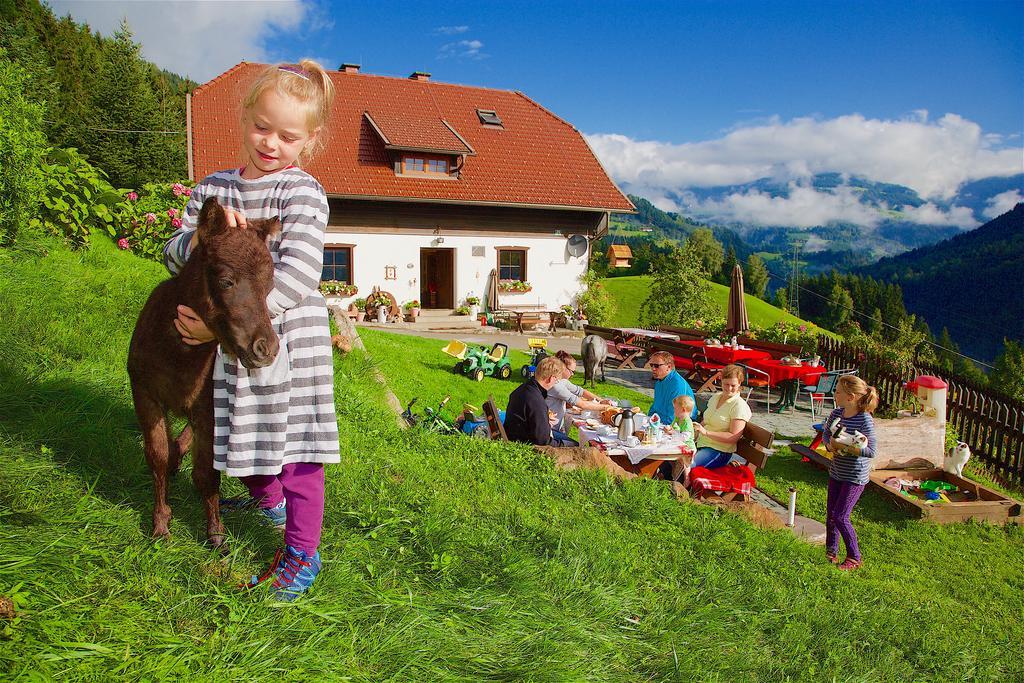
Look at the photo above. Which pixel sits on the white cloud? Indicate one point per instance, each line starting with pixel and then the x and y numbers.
pixel 803 208
pixel 1001 203
pixel 450 30
pixel 930 214
pixel 932 157
pixel 470 49
pixel 200 39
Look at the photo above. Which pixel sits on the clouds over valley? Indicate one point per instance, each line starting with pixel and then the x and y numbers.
pixel 932 158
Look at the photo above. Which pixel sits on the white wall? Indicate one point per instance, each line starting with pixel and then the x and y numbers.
pixel 552 272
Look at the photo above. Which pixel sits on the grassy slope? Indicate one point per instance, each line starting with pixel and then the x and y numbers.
pixel 630 292
pixel 444 557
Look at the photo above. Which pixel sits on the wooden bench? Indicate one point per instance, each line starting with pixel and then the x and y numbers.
pixel 777 351
pixel 754 446
pixel 624 350
pixel 529 314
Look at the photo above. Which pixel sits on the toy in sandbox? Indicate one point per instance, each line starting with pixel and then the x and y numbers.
pixel 912 468
pixel 478 362
pixel 538 352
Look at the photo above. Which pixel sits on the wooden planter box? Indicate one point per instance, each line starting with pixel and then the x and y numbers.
pixel 979 503
pixel 971 501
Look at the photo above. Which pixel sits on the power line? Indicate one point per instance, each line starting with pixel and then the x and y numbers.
pixel 872 318
pixel 117 130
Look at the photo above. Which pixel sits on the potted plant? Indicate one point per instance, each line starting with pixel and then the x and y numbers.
pixel 462 310
pixel 474 306
pixel 359 307
pixel 412 308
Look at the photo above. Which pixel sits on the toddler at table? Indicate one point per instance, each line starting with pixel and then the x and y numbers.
pixel 684 405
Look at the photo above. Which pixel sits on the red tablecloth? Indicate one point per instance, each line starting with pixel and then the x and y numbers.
pixel 726 355
pixel 693 342
pixel 777 372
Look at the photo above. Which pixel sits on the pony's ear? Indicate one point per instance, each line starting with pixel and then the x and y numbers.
pixel 267 227
pixel 212 220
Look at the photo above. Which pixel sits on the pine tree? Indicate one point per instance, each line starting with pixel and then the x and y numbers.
pixel 1008 370
pixel 730 262
pixel 837 311
pixel 755 280
pixel 781 300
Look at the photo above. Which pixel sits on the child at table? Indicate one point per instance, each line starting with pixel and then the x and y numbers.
pixel 848 473
pixel 683 405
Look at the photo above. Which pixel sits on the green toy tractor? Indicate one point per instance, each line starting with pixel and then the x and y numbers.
pixel 478 362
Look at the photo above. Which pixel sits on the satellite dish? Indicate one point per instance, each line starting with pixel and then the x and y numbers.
pixel 577 245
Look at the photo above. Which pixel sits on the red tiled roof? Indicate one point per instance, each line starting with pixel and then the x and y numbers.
pixel 422 134
pixel 535 158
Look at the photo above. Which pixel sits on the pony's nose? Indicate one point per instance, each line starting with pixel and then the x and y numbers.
pixel 263 351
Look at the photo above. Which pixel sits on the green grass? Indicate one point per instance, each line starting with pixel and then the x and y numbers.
pixel 631 291
pixel 445 558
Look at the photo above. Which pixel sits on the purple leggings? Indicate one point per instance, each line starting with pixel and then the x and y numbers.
pixel 301 486
pixel 842 496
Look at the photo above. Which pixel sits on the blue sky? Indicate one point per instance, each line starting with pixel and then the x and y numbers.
pixel 675 94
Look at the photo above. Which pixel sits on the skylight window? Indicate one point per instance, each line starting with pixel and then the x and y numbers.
pixel 489 117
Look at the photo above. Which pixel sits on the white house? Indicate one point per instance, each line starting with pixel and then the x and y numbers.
pixel 433 185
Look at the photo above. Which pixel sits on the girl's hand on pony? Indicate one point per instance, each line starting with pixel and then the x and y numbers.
pixel 191 327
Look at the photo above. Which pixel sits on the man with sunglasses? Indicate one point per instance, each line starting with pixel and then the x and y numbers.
pixel 667 385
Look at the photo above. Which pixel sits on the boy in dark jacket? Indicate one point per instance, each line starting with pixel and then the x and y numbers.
pixel 526 418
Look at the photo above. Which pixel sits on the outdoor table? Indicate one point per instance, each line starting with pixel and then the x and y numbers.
pixel 699 343
pixel 669 449
pixel 653 334
pixel 726 355
pixel 552 318
pixel 789 377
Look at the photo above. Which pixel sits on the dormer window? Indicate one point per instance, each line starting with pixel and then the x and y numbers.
pixel 420 164
pixel 489 117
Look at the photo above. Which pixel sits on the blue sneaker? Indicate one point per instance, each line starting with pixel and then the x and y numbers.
pixel 295 574
pixel 276 516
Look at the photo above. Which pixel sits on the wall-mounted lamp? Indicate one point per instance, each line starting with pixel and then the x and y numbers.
pixel 438 240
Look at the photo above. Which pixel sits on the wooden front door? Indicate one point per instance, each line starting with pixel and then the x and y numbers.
pixel 437 278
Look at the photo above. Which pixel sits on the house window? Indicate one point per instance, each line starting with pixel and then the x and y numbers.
pixel 425 165
pixel 337 264
pixel 511 264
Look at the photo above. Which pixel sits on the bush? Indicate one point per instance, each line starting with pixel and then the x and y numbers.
pixel 22 148
pixel 803 335
pixel 679 290
pixel 150 216
pixel 77 199
pixel 597 304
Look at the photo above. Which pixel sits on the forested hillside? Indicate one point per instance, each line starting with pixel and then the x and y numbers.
pixel 969 284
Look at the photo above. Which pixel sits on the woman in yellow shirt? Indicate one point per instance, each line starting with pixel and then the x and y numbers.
pixel 724 419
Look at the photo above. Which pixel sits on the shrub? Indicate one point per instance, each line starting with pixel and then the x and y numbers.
pixel 803 335
pixel 679 290
pixel 597 304
pixel 151 215
pixel 77 199
pixel 22 148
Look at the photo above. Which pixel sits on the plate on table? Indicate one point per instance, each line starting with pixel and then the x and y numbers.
pixel 591 422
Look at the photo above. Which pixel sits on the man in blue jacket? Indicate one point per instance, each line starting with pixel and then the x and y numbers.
pixel 667 385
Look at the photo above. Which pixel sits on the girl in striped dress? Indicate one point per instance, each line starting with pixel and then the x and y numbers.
pixel 276 427
pixel 848 473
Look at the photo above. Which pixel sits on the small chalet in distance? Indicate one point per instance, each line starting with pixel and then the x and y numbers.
pixel 433 185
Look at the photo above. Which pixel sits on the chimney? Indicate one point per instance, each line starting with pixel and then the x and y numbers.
pixel 349 68
pixel 420 76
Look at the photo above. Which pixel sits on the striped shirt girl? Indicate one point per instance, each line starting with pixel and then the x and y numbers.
pixel 851 468
pixel 265 418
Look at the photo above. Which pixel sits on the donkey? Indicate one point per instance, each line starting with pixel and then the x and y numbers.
pixel 225 281
pixel 594 351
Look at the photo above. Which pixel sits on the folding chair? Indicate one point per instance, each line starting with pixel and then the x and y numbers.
pixel 757 379
pixel 825 389
pixel 494 425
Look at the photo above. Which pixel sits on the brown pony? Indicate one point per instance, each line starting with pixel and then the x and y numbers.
pixel 226 281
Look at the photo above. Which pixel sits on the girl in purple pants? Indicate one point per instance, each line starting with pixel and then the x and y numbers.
pixel 848 473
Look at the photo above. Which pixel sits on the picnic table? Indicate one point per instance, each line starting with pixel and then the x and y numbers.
pixel 634 332
pixel 789 377
pixel 641 460
pixel 531 313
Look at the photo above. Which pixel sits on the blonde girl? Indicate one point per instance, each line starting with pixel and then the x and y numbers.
pixel 848 473
pixel 276 427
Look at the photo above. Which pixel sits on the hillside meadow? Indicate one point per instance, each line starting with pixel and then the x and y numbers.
pixel 631 291
pixel 445 558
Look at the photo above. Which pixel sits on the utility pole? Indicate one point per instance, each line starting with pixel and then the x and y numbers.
pixel 793 285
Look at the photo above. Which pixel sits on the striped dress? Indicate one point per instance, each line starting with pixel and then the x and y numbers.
pixel 852 468
pixel 265 418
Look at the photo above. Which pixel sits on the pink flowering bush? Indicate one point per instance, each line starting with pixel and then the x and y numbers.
pixel 123 244
pixel 152 217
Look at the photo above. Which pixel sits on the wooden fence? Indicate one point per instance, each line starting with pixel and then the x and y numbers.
pixel 990 423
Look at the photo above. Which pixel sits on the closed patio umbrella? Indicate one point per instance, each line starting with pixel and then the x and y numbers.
pixel 736 317
pixel 492 291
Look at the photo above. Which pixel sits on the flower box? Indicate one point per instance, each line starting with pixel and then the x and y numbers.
pixel 336 288
pixel 514 287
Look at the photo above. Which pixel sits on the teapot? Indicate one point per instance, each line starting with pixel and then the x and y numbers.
pixel 624 421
